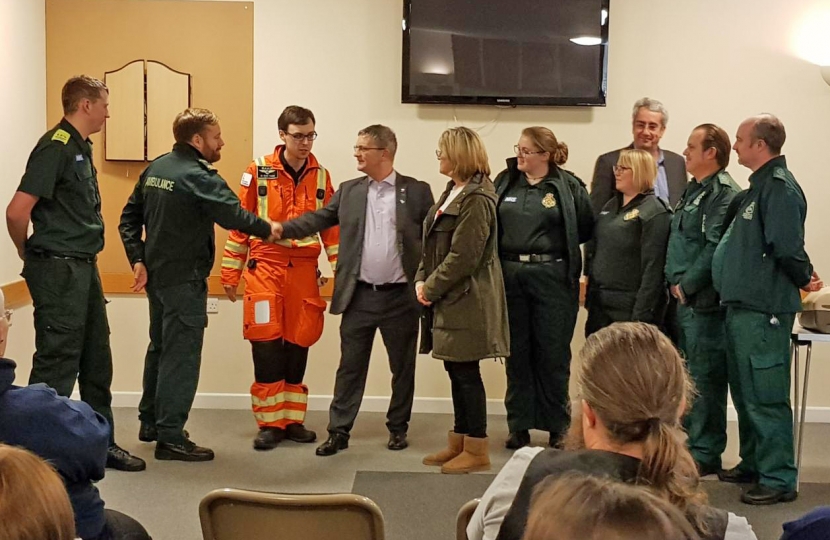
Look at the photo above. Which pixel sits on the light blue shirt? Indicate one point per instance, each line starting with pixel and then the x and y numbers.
pixel 661 184
pixel 380 262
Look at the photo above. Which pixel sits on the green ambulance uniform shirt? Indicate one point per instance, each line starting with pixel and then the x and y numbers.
pixel 67 218
pixel 696 229
pixel 760 263
pixel 177 199
pixel 629 251
pixel 531 220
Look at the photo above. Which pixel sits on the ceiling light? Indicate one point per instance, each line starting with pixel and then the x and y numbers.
pixel 586 40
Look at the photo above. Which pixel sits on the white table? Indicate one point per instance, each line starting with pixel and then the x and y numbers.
pixel 802 337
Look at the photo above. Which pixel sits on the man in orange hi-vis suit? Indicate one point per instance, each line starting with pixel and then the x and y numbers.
pixel 282 308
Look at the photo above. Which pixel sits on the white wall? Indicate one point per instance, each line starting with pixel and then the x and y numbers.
pixel 708 61
pixel 22 102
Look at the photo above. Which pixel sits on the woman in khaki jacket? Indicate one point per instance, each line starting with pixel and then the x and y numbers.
pixel 460 278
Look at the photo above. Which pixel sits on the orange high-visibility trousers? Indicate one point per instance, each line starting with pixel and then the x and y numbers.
pixel 282 301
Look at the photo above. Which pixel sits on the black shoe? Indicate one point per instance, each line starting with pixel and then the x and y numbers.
pixel 121 460
pixel 335 443
pixel 149 433
pixel 761 495
pixel 517 440
pixel 706 470
pixel 555 441
pixel 298 433
pixel 736 476
pixel 268 438
pixel 397 441
pixel 187 451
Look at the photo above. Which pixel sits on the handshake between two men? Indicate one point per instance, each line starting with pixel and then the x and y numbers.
pixel 140 269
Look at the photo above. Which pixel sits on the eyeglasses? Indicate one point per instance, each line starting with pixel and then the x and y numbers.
pixel 619 169
pixel 7 314
pixel 525 152
pixel 299 137
pixel 363 149
pixel 439 154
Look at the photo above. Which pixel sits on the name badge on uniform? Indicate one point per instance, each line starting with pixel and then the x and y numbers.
pixel 548 201
pixel 79 157
pixel 631 215
pixel 749 212
pixel 268 173
pixel 246 179
pixel 510 199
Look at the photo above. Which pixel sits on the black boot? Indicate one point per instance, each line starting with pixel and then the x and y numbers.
pixel 517 440
pixel 298 433
pixel 121 460
pixel 185 451
pixel 268 438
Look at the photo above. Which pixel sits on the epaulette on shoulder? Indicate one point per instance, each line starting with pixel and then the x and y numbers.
pixel 207 166
pixel 61 135
pixel 780 173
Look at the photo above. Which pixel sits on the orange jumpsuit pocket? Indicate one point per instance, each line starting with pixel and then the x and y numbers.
pixel 262 317
pixel 310 322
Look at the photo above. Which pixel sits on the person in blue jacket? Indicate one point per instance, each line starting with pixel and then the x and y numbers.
pixel 69 435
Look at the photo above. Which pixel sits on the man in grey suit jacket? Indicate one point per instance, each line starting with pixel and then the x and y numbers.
pixel 380 217
pixel 649 120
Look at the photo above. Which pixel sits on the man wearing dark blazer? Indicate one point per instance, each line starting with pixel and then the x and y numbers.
pixel 649 120
pixel 380 217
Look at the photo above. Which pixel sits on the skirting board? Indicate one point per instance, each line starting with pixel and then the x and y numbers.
pixel 495 407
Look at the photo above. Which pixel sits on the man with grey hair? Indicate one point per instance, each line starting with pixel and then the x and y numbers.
pixel 380 216
pixel 649 119
pixel 765 242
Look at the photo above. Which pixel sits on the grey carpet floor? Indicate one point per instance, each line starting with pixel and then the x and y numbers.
pixel 422 506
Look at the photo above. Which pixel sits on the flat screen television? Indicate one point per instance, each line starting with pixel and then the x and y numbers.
pixel 505 52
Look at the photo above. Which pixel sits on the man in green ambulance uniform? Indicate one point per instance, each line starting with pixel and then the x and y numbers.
pixel 758 268
pixel 696 229
pixel 59 195
pixel 177 200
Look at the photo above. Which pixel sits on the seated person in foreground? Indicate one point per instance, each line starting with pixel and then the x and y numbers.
pixel 634 388
pixel 33 501
pixel 70 436
pixel 577 507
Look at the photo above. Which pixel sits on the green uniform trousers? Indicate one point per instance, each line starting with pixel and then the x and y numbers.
pixel 759 378
pixel 178 317
pixel 72 335
pixel 702 339
pixel 542 307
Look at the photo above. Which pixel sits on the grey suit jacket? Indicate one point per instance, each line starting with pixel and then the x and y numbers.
pixel 602 184
pixel 347 208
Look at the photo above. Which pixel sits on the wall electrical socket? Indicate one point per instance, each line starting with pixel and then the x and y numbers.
pixel 212 305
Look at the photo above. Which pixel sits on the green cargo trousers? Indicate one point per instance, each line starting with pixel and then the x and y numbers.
pixel 72 335
pixel 542 307
pixel 178 317
pixel 703 343
pixel 759 378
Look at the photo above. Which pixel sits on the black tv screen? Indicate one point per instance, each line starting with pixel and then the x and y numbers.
pixel 505 52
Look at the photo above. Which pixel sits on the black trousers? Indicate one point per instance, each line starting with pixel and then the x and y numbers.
pixel 178 317
pixel 279 360
pixel 72 334
pixel 542 306
pixel 469 401
pixel 396 314
pixel 121 527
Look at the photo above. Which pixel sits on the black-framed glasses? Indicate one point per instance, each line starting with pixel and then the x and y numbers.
pixel 619 169
pixel 299 137
pixel 525 152
pixel 363 149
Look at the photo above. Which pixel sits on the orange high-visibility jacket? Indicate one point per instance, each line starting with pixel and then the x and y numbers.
pixel 269 191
